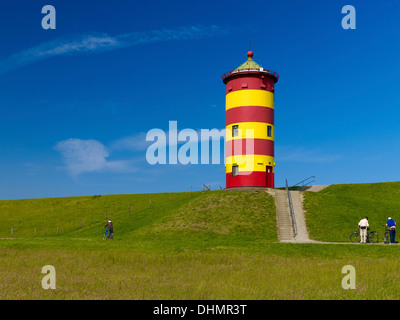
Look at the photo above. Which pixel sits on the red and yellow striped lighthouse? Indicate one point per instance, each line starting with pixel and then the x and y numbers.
pixel 250 125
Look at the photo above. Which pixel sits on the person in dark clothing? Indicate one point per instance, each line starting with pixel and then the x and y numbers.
pixel 392 229
pixel 109 227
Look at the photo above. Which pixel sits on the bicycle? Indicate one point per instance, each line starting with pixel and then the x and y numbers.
pixel 386 239
pixel 372 237
pixel 108 236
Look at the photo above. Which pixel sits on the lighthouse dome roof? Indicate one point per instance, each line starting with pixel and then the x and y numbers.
pixel 250 64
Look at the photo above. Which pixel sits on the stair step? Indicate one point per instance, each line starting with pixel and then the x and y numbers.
pixel 283 218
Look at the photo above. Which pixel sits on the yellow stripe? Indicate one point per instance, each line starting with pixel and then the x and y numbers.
pixel 243 98
pixel 249 163
pixel 250 130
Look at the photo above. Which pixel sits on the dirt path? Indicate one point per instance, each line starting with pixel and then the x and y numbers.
pixel 322 242
pixel 314 188
pixel 297 203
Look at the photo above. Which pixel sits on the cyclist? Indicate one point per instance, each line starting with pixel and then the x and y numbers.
pixel 363 226
pixel 109 227
pixel 392 229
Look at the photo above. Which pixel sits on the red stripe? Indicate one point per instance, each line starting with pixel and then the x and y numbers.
pixel 249 114
pixel 255 82
pixel 253 179
pixel 261 147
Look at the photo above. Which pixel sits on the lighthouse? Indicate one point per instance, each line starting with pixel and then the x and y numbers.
pixel 250 125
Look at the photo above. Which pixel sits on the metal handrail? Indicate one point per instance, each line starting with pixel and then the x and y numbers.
pixel 294 226
pixel 267 71
pixel 304 184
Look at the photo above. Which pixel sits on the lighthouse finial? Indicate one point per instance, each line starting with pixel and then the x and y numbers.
pixel 250 53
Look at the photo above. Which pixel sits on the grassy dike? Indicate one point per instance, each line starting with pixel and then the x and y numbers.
pixel 333 213
pixel 211 245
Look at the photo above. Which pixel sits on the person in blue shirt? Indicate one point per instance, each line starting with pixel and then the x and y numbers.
pixel 392 229
pixel 109 228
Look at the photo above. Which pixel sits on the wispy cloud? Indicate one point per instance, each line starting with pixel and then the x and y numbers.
pixel 132 143
pixel 138 141
pixel 81 156
pixel 95 43
pixel 67 46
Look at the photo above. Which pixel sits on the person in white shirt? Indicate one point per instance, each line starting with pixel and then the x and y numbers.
pixel 363 226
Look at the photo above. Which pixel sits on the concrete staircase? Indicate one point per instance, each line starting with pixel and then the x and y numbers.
pixel 284 221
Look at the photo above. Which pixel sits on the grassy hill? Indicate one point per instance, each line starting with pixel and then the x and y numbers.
pixel 154 217
pixel 333 213
pixel 205 245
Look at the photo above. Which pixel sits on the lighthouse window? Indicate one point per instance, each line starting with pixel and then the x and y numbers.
pixel 235 131
pixel 235 171
pixel 269 131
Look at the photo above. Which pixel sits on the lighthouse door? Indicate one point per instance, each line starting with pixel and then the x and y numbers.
pixel 270 177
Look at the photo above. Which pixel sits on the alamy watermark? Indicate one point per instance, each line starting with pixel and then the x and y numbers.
pixel 349 280
pixel 189 146
pixel 49 280
pixel 49 20
pixel 349 20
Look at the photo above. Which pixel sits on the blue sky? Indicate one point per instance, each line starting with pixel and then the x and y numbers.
pixel 76 102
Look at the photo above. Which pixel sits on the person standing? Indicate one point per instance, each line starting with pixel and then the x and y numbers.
pixel 392 229
pixel 363 226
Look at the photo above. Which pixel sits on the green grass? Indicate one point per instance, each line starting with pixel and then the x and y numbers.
pixel 333 213
pixel 268 271
pixel 208 245
pixel 200 216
